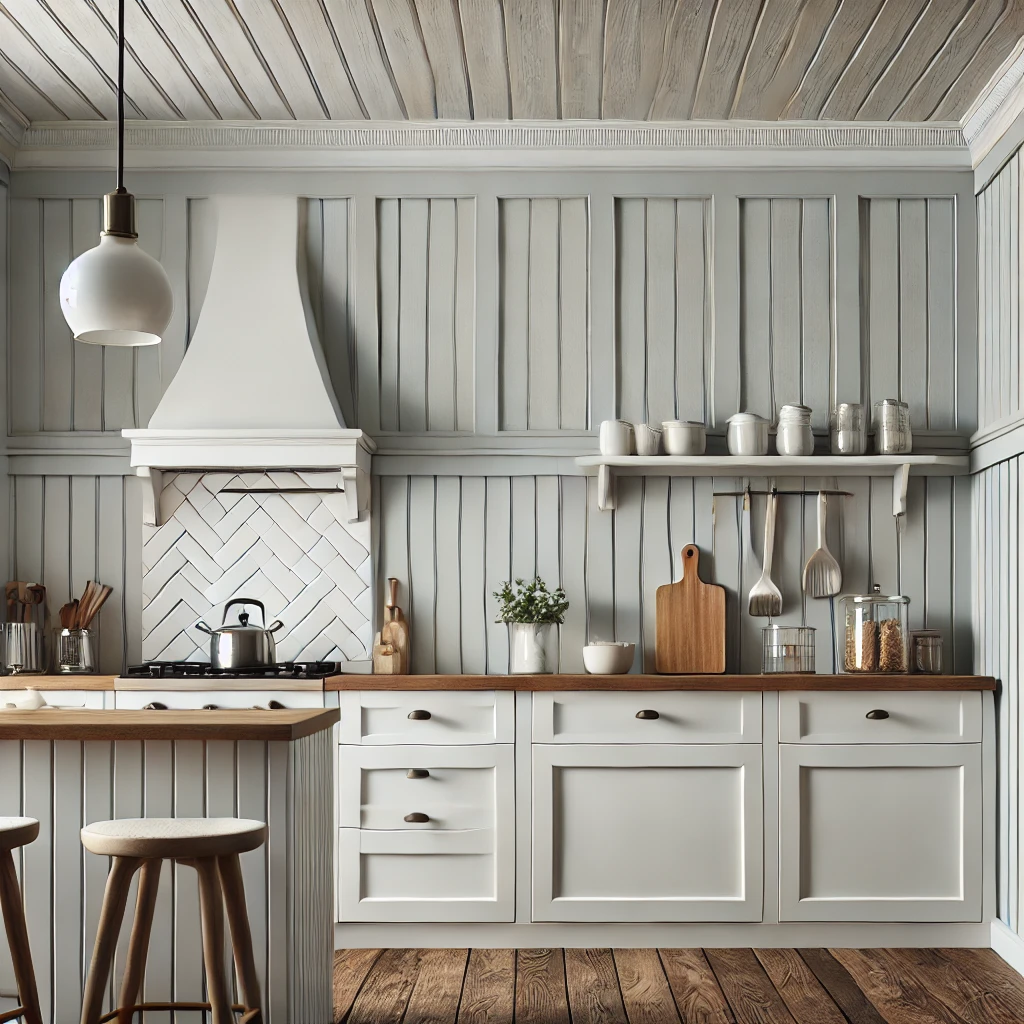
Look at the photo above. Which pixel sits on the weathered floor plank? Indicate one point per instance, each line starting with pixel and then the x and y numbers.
pixel 351 966
pixel 675 986
pixel 541 996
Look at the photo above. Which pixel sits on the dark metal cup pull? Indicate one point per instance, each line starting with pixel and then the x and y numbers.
pixel 417 818
pixel 877 715
pixel 419 716
pixel 648 715
pixel 417 773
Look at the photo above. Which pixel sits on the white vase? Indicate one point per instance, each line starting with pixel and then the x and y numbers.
pixel 534 648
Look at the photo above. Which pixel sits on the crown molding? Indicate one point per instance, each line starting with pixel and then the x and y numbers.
pixel 296 145
pixel 992 126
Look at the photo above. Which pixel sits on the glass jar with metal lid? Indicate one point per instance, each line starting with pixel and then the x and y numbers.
pixel 877 637
pixel 892 427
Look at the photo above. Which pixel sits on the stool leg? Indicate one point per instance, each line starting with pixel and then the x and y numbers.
pixel 138 945
pixel 115 898
pixel 241 937
pixel 211 907
pixel 17 936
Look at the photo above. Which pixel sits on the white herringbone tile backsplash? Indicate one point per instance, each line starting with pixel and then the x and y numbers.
pixel 297 553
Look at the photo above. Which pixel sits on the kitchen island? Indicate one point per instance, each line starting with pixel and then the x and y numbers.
pixel 70 767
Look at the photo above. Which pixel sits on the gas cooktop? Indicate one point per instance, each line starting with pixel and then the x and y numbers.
pixel 199 675
pixel 203 670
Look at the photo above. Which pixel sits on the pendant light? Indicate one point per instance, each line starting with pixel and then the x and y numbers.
pixel 117 294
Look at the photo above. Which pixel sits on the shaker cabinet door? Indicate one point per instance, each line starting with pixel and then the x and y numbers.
pixel 647 833
pixel 880 833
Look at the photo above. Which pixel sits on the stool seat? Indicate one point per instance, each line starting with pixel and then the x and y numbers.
pixel 15 832
pixel 173 837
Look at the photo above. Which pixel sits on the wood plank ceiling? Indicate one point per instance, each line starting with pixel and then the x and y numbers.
pixel 657 60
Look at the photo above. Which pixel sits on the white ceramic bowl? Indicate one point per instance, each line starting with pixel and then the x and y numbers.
pixel 608 659
pixel 682 437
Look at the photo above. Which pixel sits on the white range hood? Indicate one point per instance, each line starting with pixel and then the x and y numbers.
pixel 252 391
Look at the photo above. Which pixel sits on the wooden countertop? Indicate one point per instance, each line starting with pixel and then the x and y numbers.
pixel 71 681
pixel 567 681
pixel 50 724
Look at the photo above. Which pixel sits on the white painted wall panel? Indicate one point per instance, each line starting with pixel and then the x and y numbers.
pixel 544 258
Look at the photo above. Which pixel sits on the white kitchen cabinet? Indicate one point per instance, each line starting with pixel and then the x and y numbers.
pixel 880 716
pixel 881 832
pixel 427 716
pixel 645 832
pixel 639 716
pixel 454 861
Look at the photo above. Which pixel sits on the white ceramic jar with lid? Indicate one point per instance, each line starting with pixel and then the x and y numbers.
pixel 684 437
pixel 747 434
pixel 794 436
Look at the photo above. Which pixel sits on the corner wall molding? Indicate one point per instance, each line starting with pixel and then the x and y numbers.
pixel 989 127
pixel 355 144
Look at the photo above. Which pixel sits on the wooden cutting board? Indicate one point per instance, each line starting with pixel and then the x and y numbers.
pixel 690 636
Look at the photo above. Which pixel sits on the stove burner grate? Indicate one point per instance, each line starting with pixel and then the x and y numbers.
pixel 203 670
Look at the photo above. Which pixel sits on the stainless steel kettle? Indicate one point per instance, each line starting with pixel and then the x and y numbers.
pixel 240 645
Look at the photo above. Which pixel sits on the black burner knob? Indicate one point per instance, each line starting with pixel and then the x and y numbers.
pixel 155 706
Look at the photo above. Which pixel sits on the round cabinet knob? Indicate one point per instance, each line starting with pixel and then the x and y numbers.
pixel 419 716
pixel 877 715
pixel 417 773
pixel 417 818
pixel 648 716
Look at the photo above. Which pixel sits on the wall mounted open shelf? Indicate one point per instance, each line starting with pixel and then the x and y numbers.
pixel 609 467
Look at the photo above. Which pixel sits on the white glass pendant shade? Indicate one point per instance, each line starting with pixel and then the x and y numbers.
pixel 116 294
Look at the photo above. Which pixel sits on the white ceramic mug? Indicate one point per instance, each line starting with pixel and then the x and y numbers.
pixel 684 437
pixel 616 437
pixel 648 438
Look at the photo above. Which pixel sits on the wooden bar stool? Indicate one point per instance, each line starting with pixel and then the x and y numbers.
pixel 211 846
pixel 15 832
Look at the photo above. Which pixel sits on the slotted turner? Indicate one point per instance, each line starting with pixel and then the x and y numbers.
pixel 765 600
pixel 822 575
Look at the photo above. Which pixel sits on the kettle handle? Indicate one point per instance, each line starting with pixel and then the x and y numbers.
pixel 200 625
pixel 245 600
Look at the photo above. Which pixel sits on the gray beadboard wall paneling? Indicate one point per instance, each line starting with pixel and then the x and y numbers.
pixel 909 307
pixel 66 530
pixel 453 540
pixel 425 279
pixel 663 323
pixel 544 257
pixel 786 296
pixel 999 225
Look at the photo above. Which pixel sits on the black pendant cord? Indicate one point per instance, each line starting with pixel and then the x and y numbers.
pixel 120 96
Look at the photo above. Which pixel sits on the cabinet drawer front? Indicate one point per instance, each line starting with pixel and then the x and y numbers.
pixel 425 876
pixel 428 716
pixel 895 717
pixel 880 833
pixel 454 787
pixel 672 717
pixel 659 832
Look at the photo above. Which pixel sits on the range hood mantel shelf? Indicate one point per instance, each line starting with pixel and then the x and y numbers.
pixel 346 451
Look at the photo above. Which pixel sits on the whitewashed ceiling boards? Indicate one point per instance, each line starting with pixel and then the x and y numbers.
pixel 656 60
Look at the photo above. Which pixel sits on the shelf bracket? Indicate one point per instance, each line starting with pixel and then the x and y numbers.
pixel 356 485
pixel 900 480
pixel 607 488
pixel 152 485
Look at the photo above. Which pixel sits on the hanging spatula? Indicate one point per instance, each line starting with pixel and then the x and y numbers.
pixel 765 600
pixel 822 575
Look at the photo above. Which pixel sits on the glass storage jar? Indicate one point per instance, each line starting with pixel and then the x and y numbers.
pixel 787 649
pixel 892 427
pixel 793 435
pixel 877 637
pixel 849 432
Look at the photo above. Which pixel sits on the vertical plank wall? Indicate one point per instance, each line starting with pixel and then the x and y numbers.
pixel 502 309
pixel 999 515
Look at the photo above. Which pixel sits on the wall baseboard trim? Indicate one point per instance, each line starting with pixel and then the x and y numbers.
pixel 175 145
pixel 1008 945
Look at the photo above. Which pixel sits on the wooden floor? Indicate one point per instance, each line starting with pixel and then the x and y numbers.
pixel 676 986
